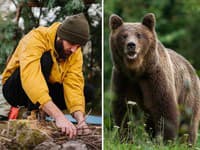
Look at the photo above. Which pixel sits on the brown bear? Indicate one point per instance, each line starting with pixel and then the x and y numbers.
pixel 160 81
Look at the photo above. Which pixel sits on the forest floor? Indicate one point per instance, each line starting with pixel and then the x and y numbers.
pixel 23 134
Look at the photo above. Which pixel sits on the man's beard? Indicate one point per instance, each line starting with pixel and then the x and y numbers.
pixel 60 50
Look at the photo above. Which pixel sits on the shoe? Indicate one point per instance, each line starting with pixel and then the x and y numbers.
pixel 13 113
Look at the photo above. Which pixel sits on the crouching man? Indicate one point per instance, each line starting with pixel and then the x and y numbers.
pixel 45 72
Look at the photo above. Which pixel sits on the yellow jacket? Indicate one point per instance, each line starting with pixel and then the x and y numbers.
pixel 27 55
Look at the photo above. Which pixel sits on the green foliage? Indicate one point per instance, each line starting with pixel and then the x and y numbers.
pixel 137 138
pixel 74 5
pixel 108 122
pixel 140 142
pixel 7 38
pixel 66 7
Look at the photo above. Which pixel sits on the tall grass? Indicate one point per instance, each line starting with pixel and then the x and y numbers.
pixel 138 138
pixel 141 141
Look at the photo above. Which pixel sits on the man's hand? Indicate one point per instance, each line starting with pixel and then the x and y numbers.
pixel 82 127
pixel 66 126
pixel 61 122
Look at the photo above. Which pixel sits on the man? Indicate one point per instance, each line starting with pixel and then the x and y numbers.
pixel 45 72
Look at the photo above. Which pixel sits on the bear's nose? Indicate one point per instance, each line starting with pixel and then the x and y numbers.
pixel 131 46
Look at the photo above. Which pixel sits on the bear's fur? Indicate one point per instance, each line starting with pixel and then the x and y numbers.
pixel 160 81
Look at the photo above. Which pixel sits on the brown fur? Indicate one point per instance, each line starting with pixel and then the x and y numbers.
pixel 162 82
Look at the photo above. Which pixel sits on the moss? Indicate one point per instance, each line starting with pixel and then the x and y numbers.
pixel 30 138
pixel 24 134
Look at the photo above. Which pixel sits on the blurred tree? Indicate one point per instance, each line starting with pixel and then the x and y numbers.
pixel 8 38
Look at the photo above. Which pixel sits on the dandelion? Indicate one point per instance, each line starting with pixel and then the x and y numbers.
pixel 117 127
pixel 129 123
pixel 131 103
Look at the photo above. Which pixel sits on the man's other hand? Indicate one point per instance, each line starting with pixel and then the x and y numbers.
pixel 66 126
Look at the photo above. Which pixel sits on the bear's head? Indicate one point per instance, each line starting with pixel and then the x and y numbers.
pixel 130 42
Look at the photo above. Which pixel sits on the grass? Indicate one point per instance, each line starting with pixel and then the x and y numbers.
pixel 140 139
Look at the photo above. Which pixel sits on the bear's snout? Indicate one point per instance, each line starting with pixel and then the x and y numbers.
pixel 131 46
pixel 130 51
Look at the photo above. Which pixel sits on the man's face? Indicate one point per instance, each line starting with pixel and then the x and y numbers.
pixel 65 48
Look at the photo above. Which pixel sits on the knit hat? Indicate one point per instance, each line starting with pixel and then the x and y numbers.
pixel 74 29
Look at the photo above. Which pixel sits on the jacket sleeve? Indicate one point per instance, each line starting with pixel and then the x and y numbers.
pixel 32 78
pixel 73 85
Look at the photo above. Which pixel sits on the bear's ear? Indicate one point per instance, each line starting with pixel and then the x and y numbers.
pixel 149 21
pixel 115 21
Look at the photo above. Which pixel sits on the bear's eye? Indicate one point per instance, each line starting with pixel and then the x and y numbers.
pixel 124 36
pixel 139 36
